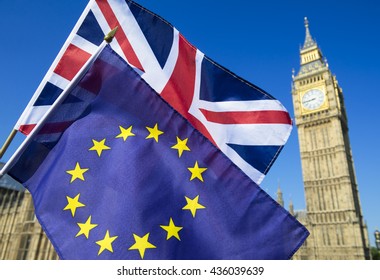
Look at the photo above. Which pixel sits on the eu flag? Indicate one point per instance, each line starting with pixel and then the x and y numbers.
pixel 132 179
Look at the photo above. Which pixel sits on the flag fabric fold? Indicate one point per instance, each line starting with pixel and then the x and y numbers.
pixel 131 178
pixel 242 120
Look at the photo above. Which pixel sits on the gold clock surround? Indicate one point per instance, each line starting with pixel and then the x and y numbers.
pixel 323 106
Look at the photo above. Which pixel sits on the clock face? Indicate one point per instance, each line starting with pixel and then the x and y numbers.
pixel 313 99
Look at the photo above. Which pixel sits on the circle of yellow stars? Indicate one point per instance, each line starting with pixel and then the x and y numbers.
pixel 141 242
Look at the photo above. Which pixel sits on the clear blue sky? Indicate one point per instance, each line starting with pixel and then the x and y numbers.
pixel 258 40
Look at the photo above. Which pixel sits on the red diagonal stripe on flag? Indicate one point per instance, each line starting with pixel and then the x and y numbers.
pixel 120 36
pixel 48 128
pixel 179 90
pixel 26 128
pixel 252 117
pixel 71 62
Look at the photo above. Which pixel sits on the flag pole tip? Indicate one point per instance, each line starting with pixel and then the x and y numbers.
pixel 108 38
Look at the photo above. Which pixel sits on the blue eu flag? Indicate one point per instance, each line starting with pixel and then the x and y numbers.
pixel 130 178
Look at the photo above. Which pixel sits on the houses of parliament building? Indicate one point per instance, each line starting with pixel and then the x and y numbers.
pixel 333 212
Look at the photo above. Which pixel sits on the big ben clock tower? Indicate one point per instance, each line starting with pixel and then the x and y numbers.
pixel 333 215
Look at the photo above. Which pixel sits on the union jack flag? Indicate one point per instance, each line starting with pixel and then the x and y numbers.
pixel 242 120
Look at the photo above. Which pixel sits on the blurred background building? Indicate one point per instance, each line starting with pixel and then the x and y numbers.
pixel 21 236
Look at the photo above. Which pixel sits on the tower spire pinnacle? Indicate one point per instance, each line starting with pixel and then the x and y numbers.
pixel 311 55
pixel 291 207
pixel 280 200
pixel 309 42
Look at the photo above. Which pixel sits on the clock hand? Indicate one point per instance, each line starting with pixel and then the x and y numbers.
pixel 307 101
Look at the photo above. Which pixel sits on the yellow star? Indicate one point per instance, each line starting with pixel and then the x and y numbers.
pixel 181 146
pixel 141 244
pixel 77 173
pixel 125 133
pixel 172 230
pixel 86 227
pixel 154 132
pixel 193 205
pixel 99 146
pixel 196 171
pixel 106 243
pixel 73 204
